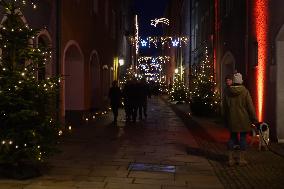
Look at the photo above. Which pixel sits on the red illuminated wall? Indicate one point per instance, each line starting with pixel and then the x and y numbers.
pixel 260 10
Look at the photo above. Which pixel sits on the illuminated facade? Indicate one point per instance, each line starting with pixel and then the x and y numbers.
pixel 246 36
pixel 178 15
pixel 254 50
pixel 263 61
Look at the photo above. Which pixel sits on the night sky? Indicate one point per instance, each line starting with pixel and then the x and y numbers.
pixel 146 11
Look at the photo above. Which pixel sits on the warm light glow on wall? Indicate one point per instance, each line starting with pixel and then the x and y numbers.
pixel 261 17
pixel 115 68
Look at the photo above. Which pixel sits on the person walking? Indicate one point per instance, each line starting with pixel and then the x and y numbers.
pixel 134 98
pixel 144 94
pixel 127 100
pixel 239 115
pixel 130 94
pixel 115 99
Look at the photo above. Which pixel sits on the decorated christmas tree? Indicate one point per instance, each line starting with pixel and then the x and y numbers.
pixel 28 130
pixel 179 92
pixel 205 99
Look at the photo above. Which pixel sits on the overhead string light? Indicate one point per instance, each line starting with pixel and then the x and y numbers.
pixel 159 59
pixel 164 41
pixel 136 38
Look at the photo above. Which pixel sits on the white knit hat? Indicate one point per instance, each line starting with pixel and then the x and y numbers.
pixel 238 79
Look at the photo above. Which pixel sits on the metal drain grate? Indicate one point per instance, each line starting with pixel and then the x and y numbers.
pixel 152 167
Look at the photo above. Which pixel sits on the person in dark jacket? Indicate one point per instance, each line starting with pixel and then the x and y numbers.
pixel 144 94
pixel 240 114
pixel 115 99
pixel 127 99
pixel 134 98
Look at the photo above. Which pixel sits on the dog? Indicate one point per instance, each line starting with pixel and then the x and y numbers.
pixel 260 133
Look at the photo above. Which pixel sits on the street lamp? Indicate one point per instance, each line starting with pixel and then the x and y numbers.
pixel 121 62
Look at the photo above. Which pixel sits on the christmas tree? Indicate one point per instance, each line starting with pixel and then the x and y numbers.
pixel 179 93
pixel 28 130
pixel 204 97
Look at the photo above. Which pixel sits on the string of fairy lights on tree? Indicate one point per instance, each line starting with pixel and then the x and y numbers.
pixel 204 95
pixel 18 3
pixel 28 130
pixel 179 92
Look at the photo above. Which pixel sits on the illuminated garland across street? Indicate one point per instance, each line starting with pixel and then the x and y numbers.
pixel 151 67
pixel 158 59
pixel 158 41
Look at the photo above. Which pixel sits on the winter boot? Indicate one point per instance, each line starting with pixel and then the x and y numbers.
pixel 242 161
pixel 231 160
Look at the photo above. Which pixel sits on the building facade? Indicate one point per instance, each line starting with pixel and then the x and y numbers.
pixel 87 37
pixel 244 36
pixel 255 50
pixel 178 14
pixel 92 40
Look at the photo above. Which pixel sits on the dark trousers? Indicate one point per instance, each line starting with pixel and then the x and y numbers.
pixel 128 111
pixel 134 109
pixel 143 109
pixel 234 140
pixel 114 108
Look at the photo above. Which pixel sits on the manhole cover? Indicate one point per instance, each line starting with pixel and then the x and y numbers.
pixel 152 167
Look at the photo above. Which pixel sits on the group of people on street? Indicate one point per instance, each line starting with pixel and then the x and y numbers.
pixel 134 95
pixel 239 111
pixel 239 114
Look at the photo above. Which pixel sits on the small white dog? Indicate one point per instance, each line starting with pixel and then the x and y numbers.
pixel 260 133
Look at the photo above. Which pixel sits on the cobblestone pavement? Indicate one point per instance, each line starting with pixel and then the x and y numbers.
pixel 97 155
pixel 265 169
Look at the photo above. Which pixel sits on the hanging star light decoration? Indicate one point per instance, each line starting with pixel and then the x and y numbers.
pixel 144 43
pixel 175 43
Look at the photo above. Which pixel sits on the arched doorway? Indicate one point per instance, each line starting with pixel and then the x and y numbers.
pixel 44 40
pixel 73 81
pixel 280 85
pixel 227 67
pixel 95 81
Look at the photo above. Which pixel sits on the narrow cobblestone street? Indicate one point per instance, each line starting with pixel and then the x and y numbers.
pixel 264 170
pixel 169 150
pixel 98 155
